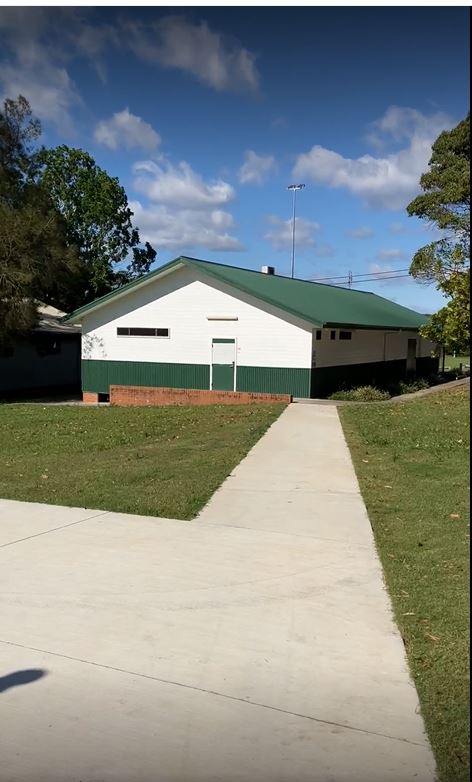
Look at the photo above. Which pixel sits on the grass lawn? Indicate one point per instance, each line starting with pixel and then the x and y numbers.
pixel 154 461
pixel 411 459
pixel 452 362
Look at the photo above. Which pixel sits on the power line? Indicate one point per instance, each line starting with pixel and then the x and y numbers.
pixel 356 282
pixel 379 279
pixel 352 277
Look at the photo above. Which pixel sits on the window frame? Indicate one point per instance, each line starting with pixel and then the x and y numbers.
pixel 343 335
pixel 143 336
pixel 332 335
pixel 318 335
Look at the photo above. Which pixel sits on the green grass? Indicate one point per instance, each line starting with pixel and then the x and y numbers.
pixel 411 459
pixel 452 362
pixel 156 461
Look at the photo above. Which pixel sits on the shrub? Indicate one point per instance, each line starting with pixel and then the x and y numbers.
pixel 455 374
pixel 410 386
pixel 360 394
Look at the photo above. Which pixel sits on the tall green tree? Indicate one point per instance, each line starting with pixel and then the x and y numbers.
pixel 445 203
pixel 98 222
pixel 19 131
pixel 36 262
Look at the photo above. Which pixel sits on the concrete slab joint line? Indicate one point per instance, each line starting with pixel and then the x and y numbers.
pixel 53 529
pixel 254 644
pixel 212 693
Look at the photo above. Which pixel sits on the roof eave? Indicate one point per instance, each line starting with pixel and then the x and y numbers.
pixel 369 327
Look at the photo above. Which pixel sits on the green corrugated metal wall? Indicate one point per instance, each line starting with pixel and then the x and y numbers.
pixel 274 380
pixel 98 376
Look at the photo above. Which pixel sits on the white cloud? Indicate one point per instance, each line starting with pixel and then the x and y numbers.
pixel 38 45
pixel 400 123
pixel 280 122
pixel 256 168
pixel 280 235
pixel 388 275
pixel 47 86
pixel 126 130
pixel 91 40
pixel 376 268
pixel 363 232
pixel 397 228
pixel 391 255
pixel 185 211
pixel 324 250
pixel 179 185
pixel 210 56
pixel 184 229
pixel 388 180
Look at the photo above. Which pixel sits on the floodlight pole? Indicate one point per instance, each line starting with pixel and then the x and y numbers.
pixel 294 189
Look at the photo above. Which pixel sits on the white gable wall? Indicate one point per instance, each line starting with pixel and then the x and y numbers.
pixel 182 302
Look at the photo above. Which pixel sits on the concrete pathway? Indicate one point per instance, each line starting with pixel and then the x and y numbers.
pixel 254 644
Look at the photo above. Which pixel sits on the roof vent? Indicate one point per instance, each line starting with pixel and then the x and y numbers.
pixel 268 269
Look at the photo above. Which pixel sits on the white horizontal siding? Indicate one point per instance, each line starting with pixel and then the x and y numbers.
pixel 183 302
pixel 366 346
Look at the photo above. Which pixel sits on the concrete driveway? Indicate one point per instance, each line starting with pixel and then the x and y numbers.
pixel 254 644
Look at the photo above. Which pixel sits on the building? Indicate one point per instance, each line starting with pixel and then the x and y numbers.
pixel 200 325
pixel 47 360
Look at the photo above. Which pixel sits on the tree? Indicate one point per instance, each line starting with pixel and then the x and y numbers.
pixel 36 263
pixel 445 203
pixel 18 132
pixel 98 221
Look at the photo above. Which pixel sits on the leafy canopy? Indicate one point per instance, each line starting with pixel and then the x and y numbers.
pixel 98 220
pixel 445 203
pixel 36 262
pixel 66 231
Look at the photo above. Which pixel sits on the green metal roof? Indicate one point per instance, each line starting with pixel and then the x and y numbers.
pixel 319 304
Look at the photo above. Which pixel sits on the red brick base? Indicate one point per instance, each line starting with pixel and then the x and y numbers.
pixel 89 398
pixel 148 396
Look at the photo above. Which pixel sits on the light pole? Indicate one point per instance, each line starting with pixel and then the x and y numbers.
pixel 294 189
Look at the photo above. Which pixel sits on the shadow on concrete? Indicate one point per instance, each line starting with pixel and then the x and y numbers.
pixel 17 678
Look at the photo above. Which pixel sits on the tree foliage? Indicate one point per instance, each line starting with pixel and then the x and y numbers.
pixel 66 231
pixel 445 203
pixel 36 262
pixel 98 222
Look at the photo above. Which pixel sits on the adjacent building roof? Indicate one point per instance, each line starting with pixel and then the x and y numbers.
pixel 51 320
pixel 316 303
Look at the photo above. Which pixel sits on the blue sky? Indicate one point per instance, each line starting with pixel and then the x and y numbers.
pixel 207 114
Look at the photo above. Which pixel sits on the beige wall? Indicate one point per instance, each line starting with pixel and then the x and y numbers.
pixel 366 346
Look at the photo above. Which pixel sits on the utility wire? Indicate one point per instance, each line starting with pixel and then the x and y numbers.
pixel 361 274
pixel 356 282
pixel 379 279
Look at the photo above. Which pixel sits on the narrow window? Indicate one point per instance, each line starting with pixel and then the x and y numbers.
pixel 345 335
pixel 136 331
pixel 333 335
pixel 319 334
pixel 139 332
